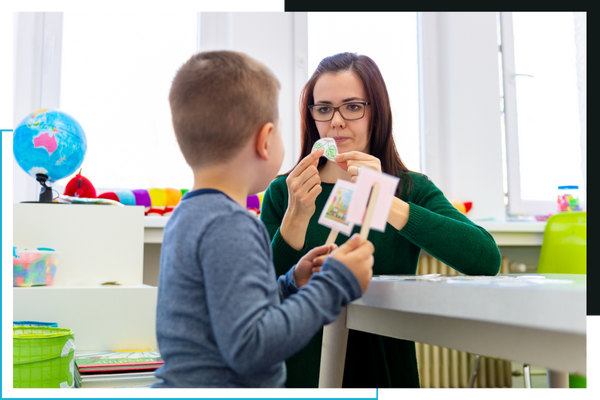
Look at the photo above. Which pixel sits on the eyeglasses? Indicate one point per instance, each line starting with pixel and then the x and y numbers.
pixel 348 111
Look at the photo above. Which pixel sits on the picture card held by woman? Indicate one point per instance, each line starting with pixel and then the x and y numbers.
pixel 387 188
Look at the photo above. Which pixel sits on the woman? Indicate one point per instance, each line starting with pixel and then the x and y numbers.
pixel 346 99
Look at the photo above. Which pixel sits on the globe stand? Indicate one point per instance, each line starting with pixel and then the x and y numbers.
pixel 46 192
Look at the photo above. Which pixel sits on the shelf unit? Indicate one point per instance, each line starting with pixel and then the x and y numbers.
pixel 98 244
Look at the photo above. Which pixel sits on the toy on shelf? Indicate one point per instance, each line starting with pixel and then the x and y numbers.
pixel 254 203
pixel 34 267
pixel 142 198
pixel 463 207
pixel 80 186
pixel 158 200
pixel 173 197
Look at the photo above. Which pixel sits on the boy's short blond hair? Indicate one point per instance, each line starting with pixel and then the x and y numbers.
pixel 218 100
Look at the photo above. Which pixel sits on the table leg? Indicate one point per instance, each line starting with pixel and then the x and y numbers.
pixel 557 379
pixel 333 354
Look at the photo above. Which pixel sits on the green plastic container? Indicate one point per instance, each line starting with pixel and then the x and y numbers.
pixel 43 357
pixel 577 381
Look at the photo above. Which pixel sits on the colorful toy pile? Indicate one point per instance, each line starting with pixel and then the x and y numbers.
pixel 34 267
pixel 156 201
pixel 568 199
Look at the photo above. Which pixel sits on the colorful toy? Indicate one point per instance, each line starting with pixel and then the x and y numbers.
pixel 110 196
pixel 173 197
pixel 253 205
pixel 463 207
pixel 80 186
pixel 34 267
pixel 126 197
pixel 158 199
pixel 568 199
pixel 142 198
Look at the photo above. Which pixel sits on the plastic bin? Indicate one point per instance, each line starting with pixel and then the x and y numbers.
pixel 34 267
pixel 43 357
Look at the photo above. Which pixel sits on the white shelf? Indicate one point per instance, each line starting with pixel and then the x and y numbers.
pixel 102 318
pixel 97 244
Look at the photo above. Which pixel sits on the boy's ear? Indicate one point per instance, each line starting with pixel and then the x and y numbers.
pixel 263 140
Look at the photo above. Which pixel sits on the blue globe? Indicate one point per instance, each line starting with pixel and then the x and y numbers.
pixel 49 142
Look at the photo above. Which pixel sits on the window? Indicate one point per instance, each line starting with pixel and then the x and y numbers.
pixel 390 39
pixel 544 82
pixel 117 69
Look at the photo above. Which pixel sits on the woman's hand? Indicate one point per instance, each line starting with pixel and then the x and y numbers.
pixel 304 185
pixel 353 160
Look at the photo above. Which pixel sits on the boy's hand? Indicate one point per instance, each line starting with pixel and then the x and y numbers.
pixel 310 263
pixel 358 257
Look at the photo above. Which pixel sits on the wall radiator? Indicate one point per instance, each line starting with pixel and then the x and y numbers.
pixel 440 367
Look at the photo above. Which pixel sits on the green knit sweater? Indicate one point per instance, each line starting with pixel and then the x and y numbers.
pixel 434 225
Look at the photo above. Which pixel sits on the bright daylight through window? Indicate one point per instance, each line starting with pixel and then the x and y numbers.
pixel 390 39
pixel 116 80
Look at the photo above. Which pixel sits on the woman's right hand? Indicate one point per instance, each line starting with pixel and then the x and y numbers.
pixel 304 185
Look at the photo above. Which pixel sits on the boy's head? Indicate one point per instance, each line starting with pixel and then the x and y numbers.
pixel 218 101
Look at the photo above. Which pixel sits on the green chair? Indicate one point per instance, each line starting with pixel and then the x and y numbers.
pixel 564 246
pixel 563 252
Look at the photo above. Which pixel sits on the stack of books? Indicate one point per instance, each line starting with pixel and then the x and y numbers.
pixel 117 369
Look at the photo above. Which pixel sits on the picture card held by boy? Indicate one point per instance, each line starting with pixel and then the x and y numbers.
pixel 335 212
pixel 387 188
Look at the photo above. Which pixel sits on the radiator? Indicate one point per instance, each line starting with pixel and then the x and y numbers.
pixel 440 367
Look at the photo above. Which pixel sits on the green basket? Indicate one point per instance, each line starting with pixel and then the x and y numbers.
pixel 43 357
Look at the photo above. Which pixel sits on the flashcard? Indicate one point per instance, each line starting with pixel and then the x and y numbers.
pixel 387 188
pixel 335 212
pixel 329 146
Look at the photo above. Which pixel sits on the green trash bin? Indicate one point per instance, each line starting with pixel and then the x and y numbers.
pixel 43 357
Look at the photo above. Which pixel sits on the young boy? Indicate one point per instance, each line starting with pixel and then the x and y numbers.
pixel 221 320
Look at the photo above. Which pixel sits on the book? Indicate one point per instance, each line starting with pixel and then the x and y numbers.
pixel 116 381
pixel 118 361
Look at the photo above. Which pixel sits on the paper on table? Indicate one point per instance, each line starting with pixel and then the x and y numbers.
pixel 387 188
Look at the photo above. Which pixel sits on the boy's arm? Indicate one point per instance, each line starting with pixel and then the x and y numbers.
pixel 253 329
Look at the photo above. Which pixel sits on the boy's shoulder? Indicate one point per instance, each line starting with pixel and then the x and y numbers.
pixel 202 208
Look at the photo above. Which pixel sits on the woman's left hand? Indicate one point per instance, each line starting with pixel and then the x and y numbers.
pixel 353 160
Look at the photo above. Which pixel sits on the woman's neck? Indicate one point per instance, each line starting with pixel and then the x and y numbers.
pixel 331 172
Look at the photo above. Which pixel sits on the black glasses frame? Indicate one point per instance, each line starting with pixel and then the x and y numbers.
pixel 364 103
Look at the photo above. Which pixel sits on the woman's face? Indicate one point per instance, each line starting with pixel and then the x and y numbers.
pixel 334 90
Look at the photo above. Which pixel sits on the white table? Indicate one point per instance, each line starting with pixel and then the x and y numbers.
pixel 533 323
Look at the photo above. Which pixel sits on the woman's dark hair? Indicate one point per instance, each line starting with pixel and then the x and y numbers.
pixel 381 141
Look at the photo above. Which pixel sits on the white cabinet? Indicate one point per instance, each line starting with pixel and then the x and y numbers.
pixel 98 244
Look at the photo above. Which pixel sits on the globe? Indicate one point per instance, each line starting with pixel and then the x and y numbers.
pixel 49 144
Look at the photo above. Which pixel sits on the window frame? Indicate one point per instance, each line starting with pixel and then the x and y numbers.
pixel 516 204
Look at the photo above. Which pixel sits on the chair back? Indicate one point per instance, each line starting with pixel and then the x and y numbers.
pixel 564 246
